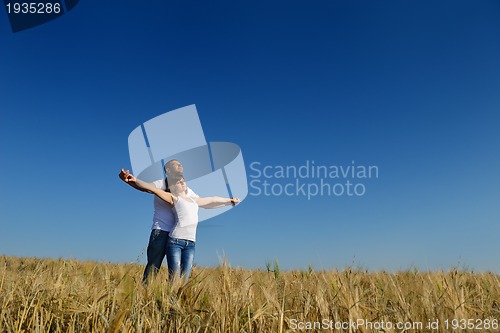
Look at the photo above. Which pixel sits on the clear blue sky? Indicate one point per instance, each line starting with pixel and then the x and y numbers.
pixel 412 87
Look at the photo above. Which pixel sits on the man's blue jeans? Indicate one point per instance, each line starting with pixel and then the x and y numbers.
pixel 180 257
pixel 156 252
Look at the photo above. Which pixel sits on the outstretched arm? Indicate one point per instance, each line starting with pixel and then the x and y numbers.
pixel 215 202
pixel 148 187
pixel 124 175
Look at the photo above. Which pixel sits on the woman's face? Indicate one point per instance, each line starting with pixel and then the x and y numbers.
pixel 180 186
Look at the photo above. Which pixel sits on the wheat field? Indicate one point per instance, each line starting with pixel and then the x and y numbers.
pixel 50 295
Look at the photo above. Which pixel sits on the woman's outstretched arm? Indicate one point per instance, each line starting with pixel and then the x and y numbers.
pixel 215 202
pixel 123 176
pixel 150 188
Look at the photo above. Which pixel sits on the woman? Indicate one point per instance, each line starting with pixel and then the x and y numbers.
pixel 181 243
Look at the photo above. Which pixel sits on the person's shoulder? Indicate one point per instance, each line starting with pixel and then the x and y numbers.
pixel 190 193
pixel 160 183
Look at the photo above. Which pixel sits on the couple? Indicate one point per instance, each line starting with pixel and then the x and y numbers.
pixel 175 219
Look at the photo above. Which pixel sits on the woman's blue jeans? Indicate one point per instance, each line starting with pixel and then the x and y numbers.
pixel 180 257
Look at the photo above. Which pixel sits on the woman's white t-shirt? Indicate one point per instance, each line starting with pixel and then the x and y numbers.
pixel 164 217
pixel 186 219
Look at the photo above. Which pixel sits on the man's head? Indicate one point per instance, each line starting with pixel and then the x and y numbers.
pixel 173 168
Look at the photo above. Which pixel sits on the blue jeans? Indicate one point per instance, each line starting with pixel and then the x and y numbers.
pixel 156 252
pixel 180 257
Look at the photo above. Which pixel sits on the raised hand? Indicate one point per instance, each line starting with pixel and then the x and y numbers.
pixel 123 173
pixel 126 176
pixel 130 178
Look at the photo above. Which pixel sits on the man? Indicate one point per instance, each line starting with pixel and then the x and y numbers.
pixel 163 218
